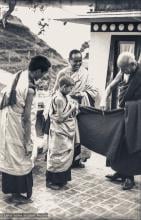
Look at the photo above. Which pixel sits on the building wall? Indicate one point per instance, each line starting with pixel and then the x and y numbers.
pixel 99 55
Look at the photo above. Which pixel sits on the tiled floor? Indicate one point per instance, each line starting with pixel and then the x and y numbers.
pixel 88 196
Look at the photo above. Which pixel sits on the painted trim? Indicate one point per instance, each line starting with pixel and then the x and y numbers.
pixel 116 27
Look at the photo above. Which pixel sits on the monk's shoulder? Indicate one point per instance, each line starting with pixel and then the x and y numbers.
pixel 64 71
pixel 31 91
pixel 58 102
pixel 84 70
pixel 57 98
pixel 83 73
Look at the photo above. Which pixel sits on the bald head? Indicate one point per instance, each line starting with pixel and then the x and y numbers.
pixel 126 62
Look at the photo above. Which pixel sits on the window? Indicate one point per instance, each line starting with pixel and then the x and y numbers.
pixel 128 46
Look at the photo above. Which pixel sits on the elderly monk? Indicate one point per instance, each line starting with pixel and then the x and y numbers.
pixel 129 81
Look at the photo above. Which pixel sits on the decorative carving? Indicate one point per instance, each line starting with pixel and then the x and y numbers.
pixel 116 27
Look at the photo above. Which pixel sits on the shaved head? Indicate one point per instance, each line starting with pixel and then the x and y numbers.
pixel 127 63
pixel 125 58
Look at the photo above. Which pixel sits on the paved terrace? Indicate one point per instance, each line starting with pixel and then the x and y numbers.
pixel 88 196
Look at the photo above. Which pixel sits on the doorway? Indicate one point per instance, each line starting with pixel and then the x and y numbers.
pixel 119 44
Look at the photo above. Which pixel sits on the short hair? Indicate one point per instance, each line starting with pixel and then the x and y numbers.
pixel 74 52
pixel 66 80
pixel 124 59
pixel 39 62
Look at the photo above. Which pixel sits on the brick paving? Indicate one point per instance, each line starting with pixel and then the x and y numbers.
pixel 88 196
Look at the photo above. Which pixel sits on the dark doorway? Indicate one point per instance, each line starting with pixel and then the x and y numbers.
pixel 120 43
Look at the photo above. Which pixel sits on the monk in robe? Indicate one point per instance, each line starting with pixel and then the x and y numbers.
pixel 129 81
pixel 61 138
pixel 83 91
pixel 16 134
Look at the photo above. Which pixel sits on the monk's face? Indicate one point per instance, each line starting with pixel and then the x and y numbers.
pixel 66 89
pixel 76 61
pixel 130 67
pixel 37 74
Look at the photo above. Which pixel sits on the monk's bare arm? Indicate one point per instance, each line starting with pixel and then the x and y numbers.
pixel 59 106
pixel 113 84
pixel 109 89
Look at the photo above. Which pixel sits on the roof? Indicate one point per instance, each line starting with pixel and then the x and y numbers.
pixel 129 16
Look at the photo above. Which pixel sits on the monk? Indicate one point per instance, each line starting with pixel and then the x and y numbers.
pixel 16 134
pixel 83 91
pixel 61 138
pixel 129 81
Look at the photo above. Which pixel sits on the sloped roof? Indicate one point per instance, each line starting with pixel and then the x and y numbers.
pixel 129 16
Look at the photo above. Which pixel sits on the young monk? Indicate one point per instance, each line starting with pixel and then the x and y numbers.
pixel 61 135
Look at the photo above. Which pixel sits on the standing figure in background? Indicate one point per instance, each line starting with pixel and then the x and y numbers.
pixel 62 131
pixel 16 129
pixel 83 91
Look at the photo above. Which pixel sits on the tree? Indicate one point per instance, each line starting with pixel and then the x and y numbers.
pixel 12 4
pixel 84 46
pixel 42 24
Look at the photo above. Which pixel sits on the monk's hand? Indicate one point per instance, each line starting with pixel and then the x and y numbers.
pixel 28 148
pixel 79 94
pixel 34 154
pixel 78 97
pixel 57 119
pixel 103 102
pixel 60 120
pixel 45 143
pixel 103 108
pixel 73 106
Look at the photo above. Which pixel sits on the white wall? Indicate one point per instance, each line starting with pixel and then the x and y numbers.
pixel 98 58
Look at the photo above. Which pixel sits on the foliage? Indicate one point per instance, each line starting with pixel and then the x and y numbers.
pixel 84 46
pixel 12 3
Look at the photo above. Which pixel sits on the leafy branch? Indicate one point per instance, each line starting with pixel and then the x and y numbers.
pixel 11 4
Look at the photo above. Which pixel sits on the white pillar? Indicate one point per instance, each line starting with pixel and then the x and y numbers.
pixel 98 60
pixel 99 55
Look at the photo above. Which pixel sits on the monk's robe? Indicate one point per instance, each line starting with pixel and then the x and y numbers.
pixel 84 86
pixel 15 166
pixel 60 144
pixel 116 133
